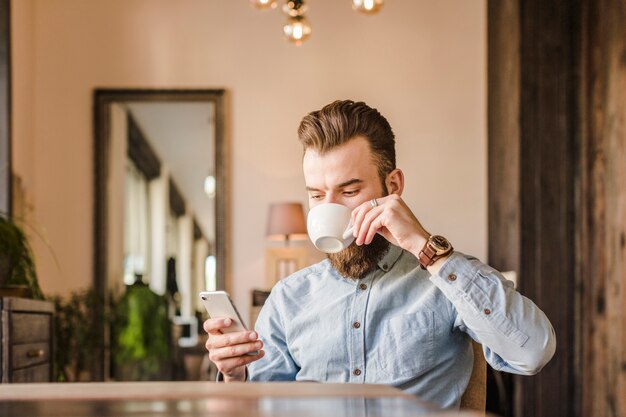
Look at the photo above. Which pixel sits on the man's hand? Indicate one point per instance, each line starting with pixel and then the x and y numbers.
pixel 229 351
pixel 393 220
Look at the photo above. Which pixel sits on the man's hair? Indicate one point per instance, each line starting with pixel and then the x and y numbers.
pixel 342 120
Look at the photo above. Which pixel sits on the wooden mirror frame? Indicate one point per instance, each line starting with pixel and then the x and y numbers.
pixel 5 107
pixel 103 98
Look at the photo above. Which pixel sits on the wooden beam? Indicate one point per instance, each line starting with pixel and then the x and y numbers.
pixel 602 217
pixel 504 202
pixel 572 195
pixel 140 150
pixel 532 112
pixel 504 134
pixel 549 131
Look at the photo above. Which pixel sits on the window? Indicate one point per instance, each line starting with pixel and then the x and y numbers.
pixel 136 225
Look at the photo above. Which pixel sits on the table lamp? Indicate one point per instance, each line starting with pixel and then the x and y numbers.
pixel 286 222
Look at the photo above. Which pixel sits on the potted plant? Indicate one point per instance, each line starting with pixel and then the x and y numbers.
pixel 140 335
pixel 18 276
pixel 79 321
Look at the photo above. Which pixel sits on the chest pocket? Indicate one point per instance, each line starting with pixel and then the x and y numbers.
pixel 406 345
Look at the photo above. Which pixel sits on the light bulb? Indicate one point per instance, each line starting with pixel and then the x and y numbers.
pixel 297 30
pixel 295 8
pixel 263 4
pixel 367 6
pixel 209 186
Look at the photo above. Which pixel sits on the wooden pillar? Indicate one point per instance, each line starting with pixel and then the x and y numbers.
pixel 557 197
pixel 5 106
pixel 503 125
pixel 549 117
pixel 504 134
pixel 532 155
pixel 602 215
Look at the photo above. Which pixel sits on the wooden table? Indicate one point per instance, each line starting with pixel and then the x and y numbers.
pixel 174 399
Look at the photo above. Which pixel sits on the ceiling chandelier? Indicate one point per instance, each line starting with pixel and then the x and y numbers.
pixel 298 29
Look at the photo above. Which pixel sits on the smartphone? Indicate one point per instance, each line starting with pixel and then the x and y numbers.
pixel 219 304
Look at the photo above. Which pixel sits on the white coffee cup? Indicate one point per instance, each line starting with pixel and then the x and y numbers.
pixel 329 227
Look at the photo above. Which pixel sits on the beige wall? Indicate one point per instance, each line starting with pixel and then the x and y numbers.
pixel 421 63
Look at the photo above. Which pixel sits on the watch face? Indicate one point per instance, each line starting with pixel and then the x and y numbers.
pixel 440 244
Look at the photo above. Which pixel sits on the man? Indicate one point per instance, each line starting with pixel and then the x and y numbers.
pixel 398 306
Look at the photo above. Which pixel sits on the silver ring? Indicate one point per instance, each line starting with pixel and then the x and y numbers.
pixel 373 202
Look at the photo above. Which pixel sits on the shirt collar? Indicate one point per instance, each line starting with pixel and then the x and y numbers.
pixel 390 258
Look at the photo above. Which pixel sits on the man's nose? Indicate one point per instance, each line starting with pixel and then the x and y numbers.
pixel 331 198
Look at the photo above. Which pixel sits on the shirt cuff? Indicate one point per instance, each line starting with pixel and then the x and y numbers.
pixel 455 275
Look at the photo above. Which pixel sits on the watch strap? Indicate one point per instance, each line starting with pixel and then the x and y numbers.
pixel 427 256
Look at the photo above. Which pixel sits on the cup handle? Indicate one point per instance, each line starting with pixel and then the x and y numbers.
pixel 348 232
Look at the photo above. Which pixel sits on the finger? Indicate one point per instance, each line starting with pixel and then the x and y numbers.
pixel 359 213
pixel 214 325
pixel 366 224
pixel 234 351
pixel 375 227
pixel 227 365
pixel 229 339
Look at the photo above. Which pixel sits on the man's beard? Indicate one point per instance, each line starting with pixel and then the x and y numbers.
pixel 355 262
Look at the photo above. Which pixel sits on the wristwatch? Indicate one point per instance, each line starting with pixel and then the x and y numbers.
pixel 435 248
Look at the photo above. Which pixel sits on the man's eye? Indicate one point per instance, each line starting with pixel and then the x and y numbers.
pixel 316 196
pixel 350 193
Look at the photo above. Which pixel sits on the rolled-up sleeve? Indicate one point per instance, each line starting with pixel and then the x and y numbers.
pixel 516 335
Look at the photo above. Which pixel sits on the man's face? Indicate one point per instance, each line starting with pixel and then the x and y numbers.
pixel 345 175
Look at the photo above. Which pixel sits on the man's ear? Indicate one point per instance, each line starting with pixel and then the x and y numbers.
pixel 395 182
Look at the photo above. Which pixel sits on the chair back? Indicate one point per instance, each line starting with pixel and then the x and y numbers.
pixel 475 395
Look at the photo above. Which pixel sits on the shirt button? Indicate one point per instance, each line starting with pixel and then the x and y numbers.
pixel 487 311
pixel 357 372
pixel 363 287
pixel 356 324
pixel 452 277
pixel 385 267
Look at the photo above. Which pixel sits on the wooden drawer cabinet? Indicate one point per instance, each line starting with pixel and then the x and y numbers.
pixel 26 340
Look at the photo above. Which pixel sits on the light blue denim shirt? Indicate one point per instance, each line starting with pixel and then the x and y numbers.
pixel 400 326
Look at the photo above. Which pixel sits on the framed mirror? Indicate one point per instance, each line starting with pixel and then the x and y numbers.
pixel 161 192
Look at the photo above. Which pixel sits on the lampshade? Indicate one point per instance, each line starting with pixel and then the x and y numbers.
pixel 286 221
